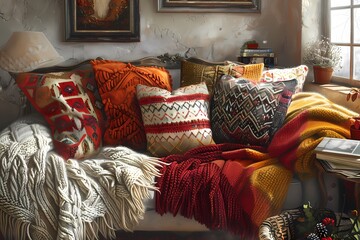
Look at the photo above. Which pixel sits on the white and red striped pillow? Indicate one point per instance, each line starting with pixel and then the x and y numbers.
pixel 175 121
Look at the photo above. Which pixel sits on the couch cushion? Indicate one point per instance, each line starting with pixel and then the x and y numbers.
pixel 175 121
pixel 117 86
pixel 249 113
pixel 284 74
pixel 194 71
pixel 71 106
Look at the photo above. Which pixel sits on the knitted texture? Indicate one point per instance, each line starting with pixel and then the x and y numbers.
pixel 45 197
pixel 195 71
pixel 117 86
pixel 236 187
pixel 251 72
pixel 310 117
pixel 226 186
pixel 175 121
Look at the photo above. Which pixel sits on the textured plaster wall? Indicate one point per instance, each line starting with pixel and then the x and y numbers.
pixel 312 27
pixel 212 36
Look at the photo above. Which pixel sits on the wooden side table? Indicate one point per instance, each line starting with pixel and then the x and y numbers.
pixel 322 170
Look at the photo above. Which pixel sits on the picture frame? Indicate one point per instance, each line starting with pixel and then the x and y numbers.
pixel 91 22
pixel 229 6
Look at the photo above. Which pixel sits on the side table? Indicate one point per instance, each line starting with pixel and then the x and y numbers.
pixel 322 169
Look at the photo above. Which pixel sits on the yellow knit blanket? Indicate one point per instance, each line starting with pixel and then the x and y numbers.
pixel 310 117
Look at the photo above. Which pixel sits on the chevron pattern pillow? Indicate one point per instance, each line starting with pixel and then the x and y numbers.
pixel 249 113
pixel 175 121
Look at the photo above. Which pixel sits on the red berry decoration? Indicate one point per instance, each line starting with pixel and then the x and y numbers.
pixel 328 221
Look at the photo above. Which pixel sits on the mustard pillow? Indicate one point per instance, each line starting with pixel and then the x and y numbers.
pixel 195 70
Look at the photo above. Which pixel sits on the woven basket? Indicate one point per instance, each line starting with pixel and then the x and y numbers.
pixel 280 226
pixel 283 226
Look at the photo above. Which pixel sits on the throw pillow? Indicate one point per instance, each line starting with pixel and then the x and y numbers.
pixel 175 121
pixel 117 86
pixel 277 74
pixel 249 113
pixel 195 70
pixel 68 101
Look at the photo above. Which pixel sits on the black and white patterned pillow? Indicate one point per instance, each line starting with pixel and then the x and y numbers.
pixel 249 113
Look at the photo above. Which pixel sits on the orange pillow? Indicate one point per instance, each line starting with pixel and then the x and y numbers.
pixel 117 87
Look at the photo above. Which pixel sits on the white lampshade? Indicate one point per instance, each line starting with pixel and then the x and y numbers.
pixel 27 51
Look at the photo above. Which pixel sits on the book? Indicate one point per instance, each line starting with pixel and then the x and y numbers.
pixel 333 166
pixel 344 170
pixel 256 50
pixel 354 163
pixel 339 151
pixel 269 62
pixel 255 54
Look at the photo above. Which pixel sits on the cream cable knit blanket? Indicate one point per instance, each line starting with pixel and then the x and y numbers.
pixel 44 197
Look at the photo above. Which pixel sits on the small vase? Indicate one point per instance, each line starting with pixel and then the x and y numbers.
pixel 355 133
pixel 322 75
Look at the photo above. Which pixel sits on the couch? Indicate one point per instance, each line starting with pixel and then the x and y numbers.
pixel 57 185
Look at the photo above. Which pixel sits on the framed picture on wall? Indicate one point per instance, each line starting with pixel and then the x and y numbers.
pixel 209 6
pixel 102 20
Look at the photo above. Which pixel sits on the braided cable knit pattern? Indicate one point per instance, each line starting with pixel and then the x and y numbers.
pixel 42 196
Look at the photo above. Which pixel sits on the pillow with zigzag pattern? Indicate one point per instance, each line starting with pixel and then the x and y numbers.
pixel 249 113
pixel 177 121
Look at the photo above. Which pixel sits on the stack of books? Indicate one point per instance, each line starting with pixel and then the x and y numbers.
pixel 257 55
pixel 340 156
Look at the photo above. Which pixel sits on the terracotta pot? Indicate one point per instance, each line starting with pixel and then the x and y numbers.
pixel 355 133
pixel 322 75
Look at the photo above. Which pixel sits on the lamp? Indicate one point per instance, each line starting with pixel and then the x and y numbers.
pixel 26 51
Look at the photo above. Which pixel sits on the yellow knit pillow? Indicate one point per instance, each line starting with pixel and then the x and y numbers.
pixel 195 71
pixel 251 72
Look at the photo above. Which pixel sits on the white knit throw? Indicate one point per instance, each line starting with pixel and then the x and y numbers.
pixel 44 197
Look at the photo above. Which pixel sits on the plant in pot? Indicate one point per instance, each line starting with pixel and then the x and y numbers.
pixel 324 57
pixel 355 127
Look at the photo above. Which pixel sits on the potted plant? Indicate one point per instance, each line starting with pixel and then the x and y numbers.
pixel 355 127
pixel 324 57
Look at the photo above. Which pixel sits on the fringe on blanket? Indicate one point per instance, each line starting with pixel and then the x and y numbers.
pixel 228 187
pixel 44 197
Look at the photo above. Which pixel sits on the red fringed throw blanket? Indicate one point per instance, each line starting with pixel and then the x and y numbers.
pixel 211 185
pixel 235 187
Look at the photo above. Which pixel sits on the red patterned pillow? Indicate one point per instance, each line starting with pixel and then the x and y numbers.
pixel 175 121
pixel 117 86
pixel 67 100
